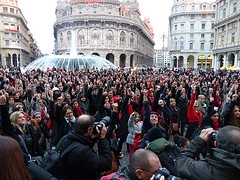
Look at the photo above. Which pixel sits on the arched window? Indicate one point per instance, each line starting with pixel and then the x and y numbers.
pixel 122 39
pixel 95 37
pixel 80 38
pixel 181 43
pixel 69 37
pixel 60 40
pixel 109 38
pixel 131 40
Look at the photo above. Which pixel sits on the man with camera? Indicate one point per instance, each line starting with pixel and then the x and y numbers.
pixel 83 162
pixel 222 164
pixel 144 165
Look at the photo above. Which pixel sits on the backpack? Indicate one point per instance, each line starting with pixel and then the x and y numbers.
pixel 53 160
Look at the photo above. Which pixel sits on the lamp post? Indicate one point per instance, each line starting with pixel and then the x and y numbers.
pixel 163 38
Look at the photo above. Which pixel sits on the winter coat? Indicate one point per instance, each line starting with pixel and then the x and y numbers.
pixel 63 125
pixel 32 145
pixel 166 153
pixel 133 128
pixel 222 166
pixel 83 162
pixel 122 130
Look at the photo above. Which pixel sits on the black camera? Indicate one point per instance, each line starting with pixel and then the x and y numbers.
pixel 161 172
pixel 212 138
pixel 106 120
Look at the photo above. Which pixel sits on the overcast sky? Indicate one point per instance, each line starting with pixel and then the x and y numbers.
pixel 40 15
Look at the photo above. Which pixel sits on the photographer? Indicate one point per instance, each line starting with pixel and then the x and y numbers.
pixel 83 162
pixel 222 165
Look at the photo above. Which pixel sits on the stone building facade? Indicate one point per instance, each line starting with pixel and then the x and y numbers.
pixel 227 34
pixel 191 33
pixel 108 28
pixel 17 45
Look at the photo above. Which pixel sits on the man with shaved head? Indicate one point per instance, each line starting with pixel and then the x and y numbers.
pixel 83 162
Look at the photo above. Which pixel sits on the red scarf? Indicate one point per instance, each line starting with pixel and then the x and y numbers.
pixel 78 110
pixel 215 125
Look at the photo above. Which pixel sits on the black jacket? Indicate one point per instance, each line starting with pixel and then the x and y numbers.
pixel 30 139
pixel 223 165
pixel 83 162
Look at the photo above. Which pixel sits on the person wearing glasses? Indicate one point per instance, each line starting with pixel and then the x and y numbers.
pixel 144 165
pixel 17 127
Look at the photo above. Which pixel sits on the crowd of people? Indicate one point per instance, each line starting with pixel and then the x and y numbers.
pixel 189 119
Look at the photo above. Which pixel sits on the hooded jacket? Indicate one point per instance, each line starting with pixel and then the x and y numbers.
pixel 166 153
pixel 222 166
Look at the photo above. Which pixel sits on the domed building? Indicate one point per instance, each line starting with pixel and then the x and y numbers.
pixel 110 29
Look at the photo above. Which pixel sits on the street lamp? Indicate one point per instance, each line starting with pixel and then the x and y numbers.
pixel 163 38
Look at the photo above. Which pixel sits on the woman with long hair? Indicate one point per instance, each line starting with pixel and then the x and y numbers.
pixel 12 165
pixel 232 114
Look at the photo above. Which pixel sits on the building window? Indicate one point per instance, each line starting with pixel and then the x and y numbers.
pixel 212 26
pixel 211 46
pixel 191 46
pixel 212 35
pixel 69 38
pixel 61 39
pixel 80 10
pixel 204 16
pixel 193 7
pixel 235 7
pixel 109 37
pixel 182 26
pixel 7 43
pixel 191 26
pixel 6 26
pixel 14 44
pixel 224 13
pixel 203 25
pixel 175 46
pixel 202 46
pixel 192 16
pixel 233 37
pixel 5 9
pixel 6 35
pixel 122 39
pixel 204 7
pixel 234 24
pixel 223 28
pixel 181 45
pixel 202 35
pixel 95 37
pixel 191 36
pixel 222 40
pixel 94 10
pixel 11 10
pixel 175 27
pixel 131 40
pixel 80 38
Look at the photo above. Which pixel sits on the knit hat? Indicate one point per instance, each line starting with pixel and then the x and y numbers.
pixel 155 133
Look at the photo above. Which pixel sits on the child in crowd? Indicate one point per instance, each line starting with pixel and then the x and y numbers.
pixel 134 126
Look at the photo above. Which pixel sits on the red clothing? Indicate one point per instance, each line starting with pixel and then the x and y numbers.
pixel 193 115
